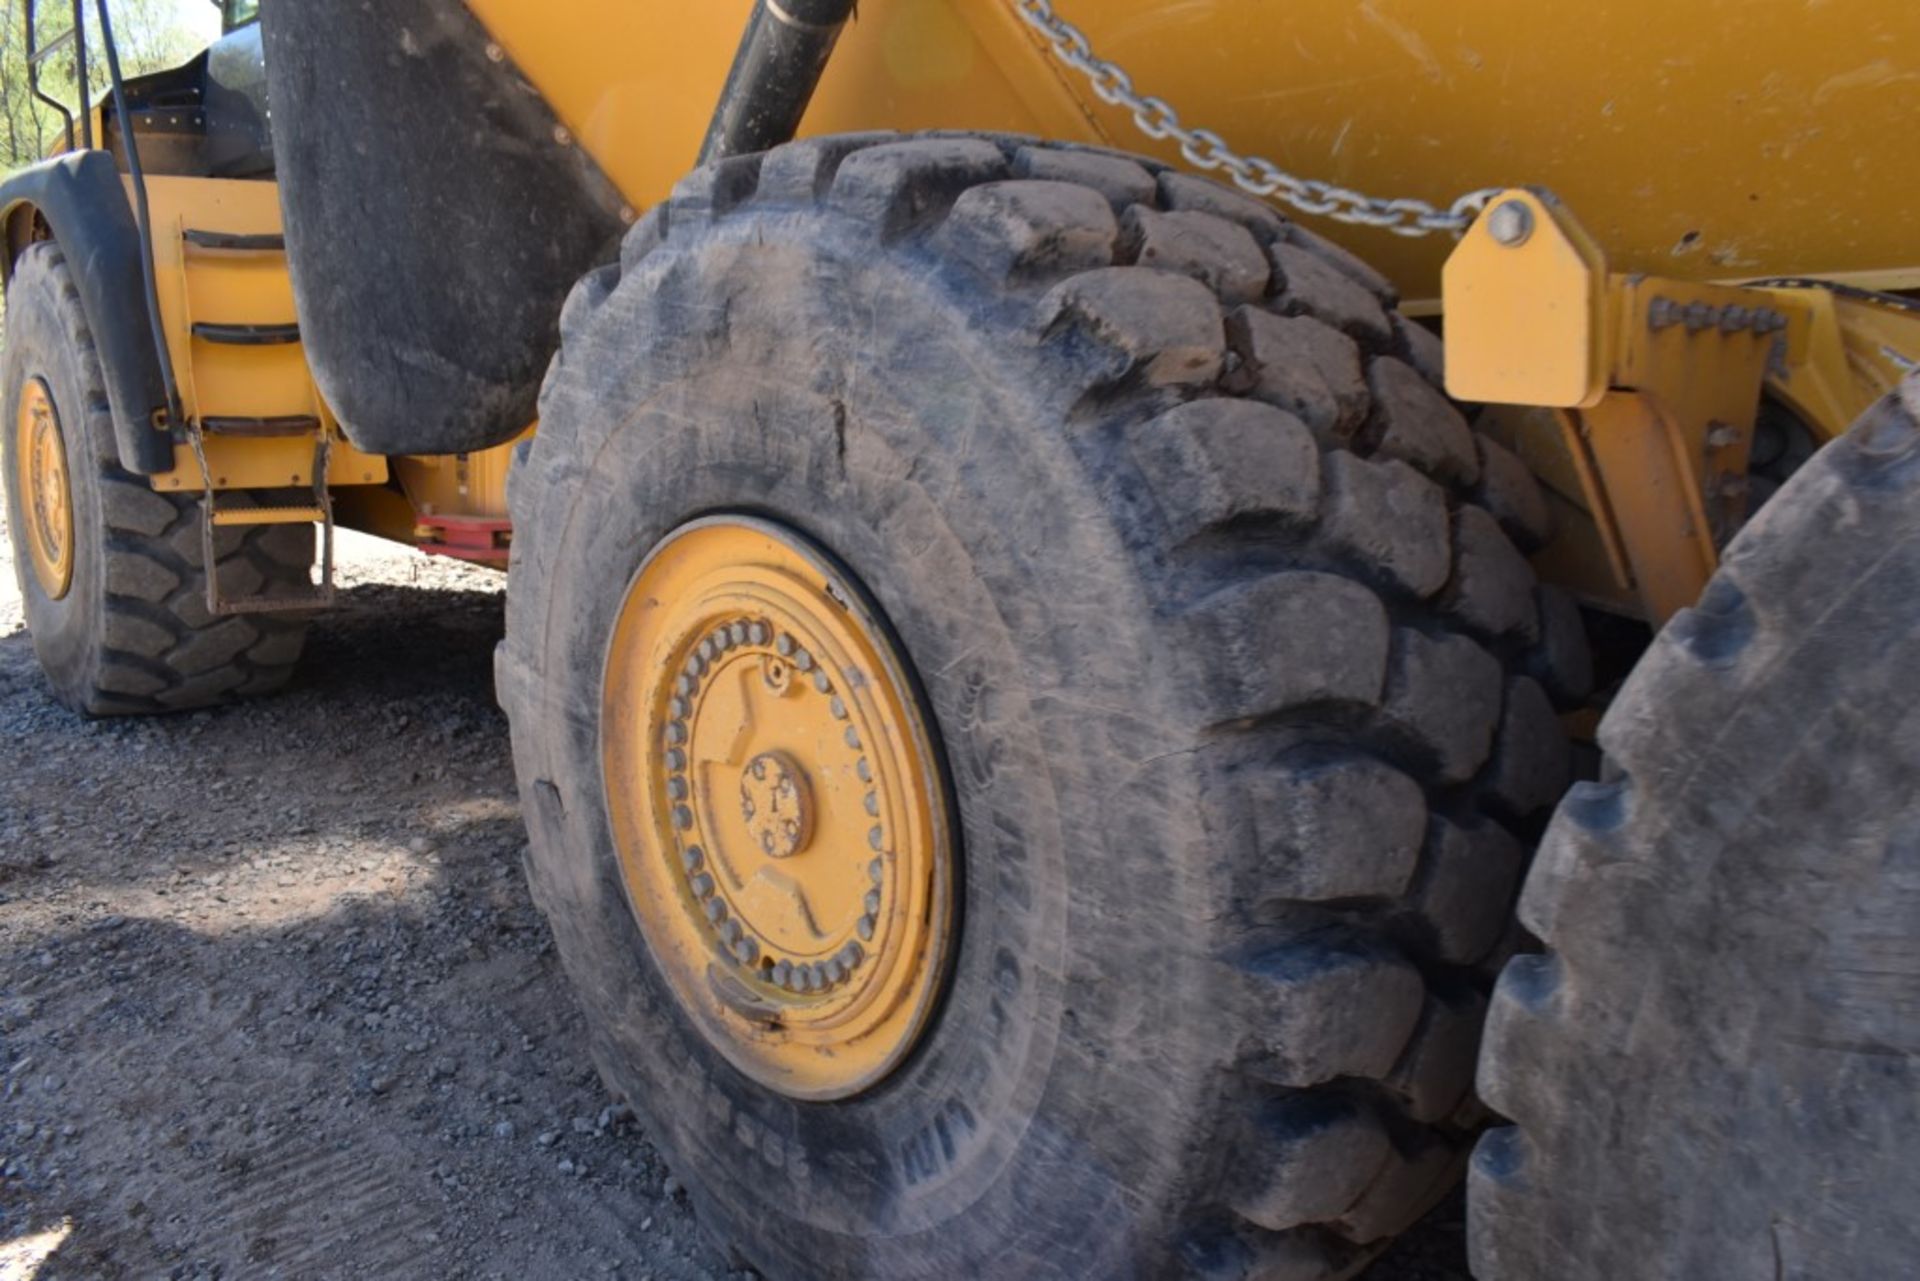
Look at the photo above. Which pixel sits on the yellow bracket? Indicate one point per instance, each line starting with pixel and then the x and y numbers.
pixel 1655 385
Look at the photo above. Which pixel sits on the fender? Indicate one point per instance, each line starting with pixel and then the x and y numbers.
pixel 81 200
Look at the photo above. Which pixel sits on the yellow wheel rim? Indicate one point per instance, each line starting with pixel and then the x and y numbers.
pixel 777 806
pixel 45 498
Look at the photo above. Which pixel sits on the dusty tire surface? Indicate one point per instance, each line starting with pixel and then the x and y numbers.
pixel 1217 605
pixel 132 633
pixel 1714 1071
pixel 277 1001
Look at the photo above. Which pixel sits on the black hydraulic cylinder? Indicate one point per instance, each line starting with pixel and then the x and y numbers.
pixel 774 73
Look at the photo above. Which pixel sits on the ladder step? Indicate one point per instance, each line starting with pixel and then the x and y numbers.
pixel 247 335
pixel 268 516
pixel 236 241
pixel 318 599
pixel 290 425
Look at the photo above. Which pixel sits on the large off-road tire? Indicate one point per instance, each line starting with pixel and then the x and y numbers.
pixel 1217 608
pixel 1715 1068
pixel 126 627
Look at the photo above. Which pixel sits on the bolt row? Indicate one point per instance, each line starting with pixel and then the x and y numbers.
pixel 1698 317
pixel 797 977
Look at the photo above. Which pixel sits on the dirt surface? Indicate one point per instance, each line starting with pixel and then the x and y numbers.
pixel 274 1002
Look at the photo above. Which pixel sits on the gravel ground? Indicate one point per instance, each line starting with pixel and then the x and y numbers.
pixel 273 1000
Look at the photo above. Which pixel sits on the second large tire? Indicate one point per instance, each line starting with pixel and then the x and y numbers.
pixel 1714 1071
pixel 1216 604
pixel 129 631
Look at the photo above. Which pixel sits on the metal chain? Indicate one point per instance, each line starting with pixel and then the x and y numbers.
pixel 1206 149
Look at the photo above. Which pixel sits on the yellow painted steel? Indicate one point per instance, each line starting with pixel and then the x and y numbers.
pixel 1525 322
pixel 1711 140
pixel 46 497
pixel 777 806
pixel 1857 350
pixel 269 516
pixel 1656 384
pixel 222 380
pixel 473 484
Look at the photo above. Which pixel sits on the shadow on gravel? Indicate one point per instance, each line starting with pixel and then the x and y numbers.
pixel 274 1003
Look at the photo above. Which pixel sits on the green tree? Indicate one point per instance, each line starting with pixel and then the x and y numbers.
pixel 150 35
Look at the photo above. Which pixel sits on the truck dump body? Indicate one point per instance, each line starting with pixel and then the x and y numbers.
pixel 1715 146
pixel 1728 138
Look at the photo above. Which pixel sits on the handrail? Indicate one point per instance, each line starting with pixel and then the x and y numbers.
pixel 37 53
pixel 142 216
pixel 52 47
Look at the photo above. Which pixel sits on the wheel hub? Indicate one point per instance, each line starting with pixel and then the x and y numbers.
pixel 46 501
pixel 777 806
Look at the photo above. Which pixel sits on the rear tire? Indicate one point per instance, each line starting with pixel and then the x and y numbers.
pixel 1222 650
pixel 131 631
pixel 1714 1072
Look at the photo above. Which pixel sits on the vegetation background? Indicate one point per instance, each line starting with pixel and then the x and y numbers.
pixel 150 34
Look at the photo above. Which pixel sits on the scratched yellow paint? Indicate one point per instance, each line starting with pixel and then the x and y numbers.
pixel 1696 138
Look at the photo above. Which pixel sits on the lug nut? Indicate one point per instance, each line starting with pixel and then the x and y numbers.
pixel 876 871
pixel 691 857
pixel 872 902
pixel 703 885
pixel 784 645
pixel 865 928
pixel 875 837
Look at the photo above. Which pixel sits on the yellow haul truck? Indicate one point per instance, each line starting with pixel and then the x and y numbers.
pixel 1033 682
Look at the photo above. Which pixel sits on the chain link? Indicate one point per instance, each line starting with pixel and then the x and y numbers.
pixel 1205 149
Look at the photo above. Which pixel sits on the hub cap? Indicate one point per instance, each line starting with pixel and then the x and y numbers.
pixel 46 505
pixel 777 806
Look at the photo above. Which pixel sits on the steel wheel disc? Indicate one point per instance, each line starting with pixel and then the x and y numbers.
pixel 777 806
pixel 40 453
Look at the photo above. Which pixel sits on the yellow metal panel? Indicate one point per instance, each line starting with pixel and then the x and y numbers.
pixel 1857 350
pixel 1708 140
pixel 1711 139
pixel 635 84
pixel 472 484
pixel 1658 508
pixel 240 381
pixel 1524 319
pixel 222 380
pixel 269 516
pixel 269 462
